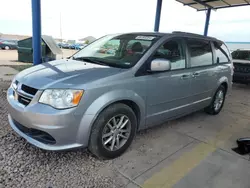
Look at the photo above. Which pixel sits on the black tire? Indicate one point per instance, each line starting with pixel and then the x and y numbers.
pixel 96 146
pixel 211 108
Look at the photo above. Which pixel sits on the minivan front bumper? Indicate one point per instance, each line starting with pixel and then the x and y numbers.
pixel 46 127
pixel 38 143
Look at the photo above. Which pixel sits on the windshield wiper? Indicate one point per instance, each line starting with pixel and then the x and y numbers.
pixel 90 60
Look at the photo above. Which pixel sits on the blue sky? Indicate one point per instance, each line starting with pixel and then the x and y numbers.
pixel 82 18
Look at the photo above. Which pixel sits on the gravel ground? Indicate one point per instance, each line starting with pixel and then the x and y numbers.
pixel 23 165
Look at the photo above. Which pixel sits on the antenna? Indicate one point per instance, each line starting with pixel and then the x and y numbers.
pixel 61 29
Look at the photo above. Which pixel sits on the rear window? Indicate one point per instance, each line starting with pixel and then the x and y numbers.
pixel 242 55
pixel 200 52
pixel 222 53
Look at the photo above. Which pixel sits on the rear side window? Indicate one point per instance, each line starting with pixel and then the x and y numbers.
pixel 221 51
pixel 200 52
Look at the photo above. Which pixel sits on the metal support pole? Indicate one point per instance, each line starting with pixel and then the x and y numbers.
pixel 36 30
pixel 158 15
pixel 207 21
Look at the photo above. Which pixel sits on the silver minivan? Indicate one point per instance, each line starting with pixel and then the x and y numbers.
pixel 117 85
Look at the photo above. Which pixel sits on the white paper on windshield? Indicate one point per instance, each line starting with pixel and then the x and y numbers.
pixel 144 37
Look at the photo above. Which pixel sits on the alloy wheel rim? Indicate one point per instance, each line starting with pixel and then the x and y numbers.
pixel 116 132
pixel 219 98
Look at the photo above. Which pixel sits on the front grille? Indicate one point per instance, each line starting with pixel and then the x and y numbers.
pixel 23 100
pixel 24 94
pixel 36 134
pixel 29 90
pixel 241 68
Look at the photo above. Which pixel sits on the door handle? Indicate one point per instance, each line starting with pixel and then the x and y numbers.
pixel 185 76
pixel 195 74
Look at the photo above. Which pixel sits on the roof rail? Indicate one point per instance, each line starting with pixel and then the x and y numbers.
pixel 193 34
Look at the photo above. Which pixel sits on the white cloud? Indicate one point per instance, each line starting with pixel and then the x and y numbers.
pixel 81 18
pixel 15 10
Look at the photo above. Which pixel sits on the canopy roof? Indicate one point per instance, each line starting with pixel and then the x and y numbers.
pixel 214 4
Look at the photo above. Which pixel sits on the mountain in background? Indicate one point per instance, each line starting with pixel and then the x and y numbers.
pixel 13 37
pixel 21 37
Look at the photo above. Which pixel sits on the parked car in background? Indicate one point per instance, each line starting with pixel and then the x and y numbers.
pixel 71 46
pixel 241 62
pixel 63 45
pixel 98 101
pixel 59 44
pixel 80 46
pixel 6 44
pixel 77 46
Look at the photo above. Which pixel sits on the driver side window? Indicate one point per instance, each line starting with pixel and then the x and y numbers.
pixel 172 51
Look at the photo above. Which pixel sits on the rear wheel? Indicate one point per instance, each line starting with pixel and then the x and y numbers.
pixel 217 102
pixel 6 47
pixel 113 131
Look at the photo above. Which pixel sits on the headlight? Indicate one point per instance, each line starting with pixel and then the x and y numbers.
pixel 61 98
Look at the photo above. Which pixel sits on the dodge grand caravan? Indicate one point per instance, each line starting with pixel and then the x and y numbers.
pixel 98 100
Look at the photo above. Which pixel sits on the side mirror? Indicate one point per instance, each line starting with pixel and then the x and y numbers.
pixel 160 65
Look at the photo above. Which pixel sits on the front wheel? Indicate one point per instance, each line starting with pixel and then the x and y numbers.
pixel 113 131
pixel 218 101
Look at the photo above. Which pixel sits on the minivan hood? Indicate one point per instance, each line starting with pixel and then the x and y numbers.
pixel 64 73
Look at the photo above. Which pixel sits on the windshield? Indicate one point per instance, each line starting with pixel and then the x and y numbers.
pixel 242 55
pixel 122 51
